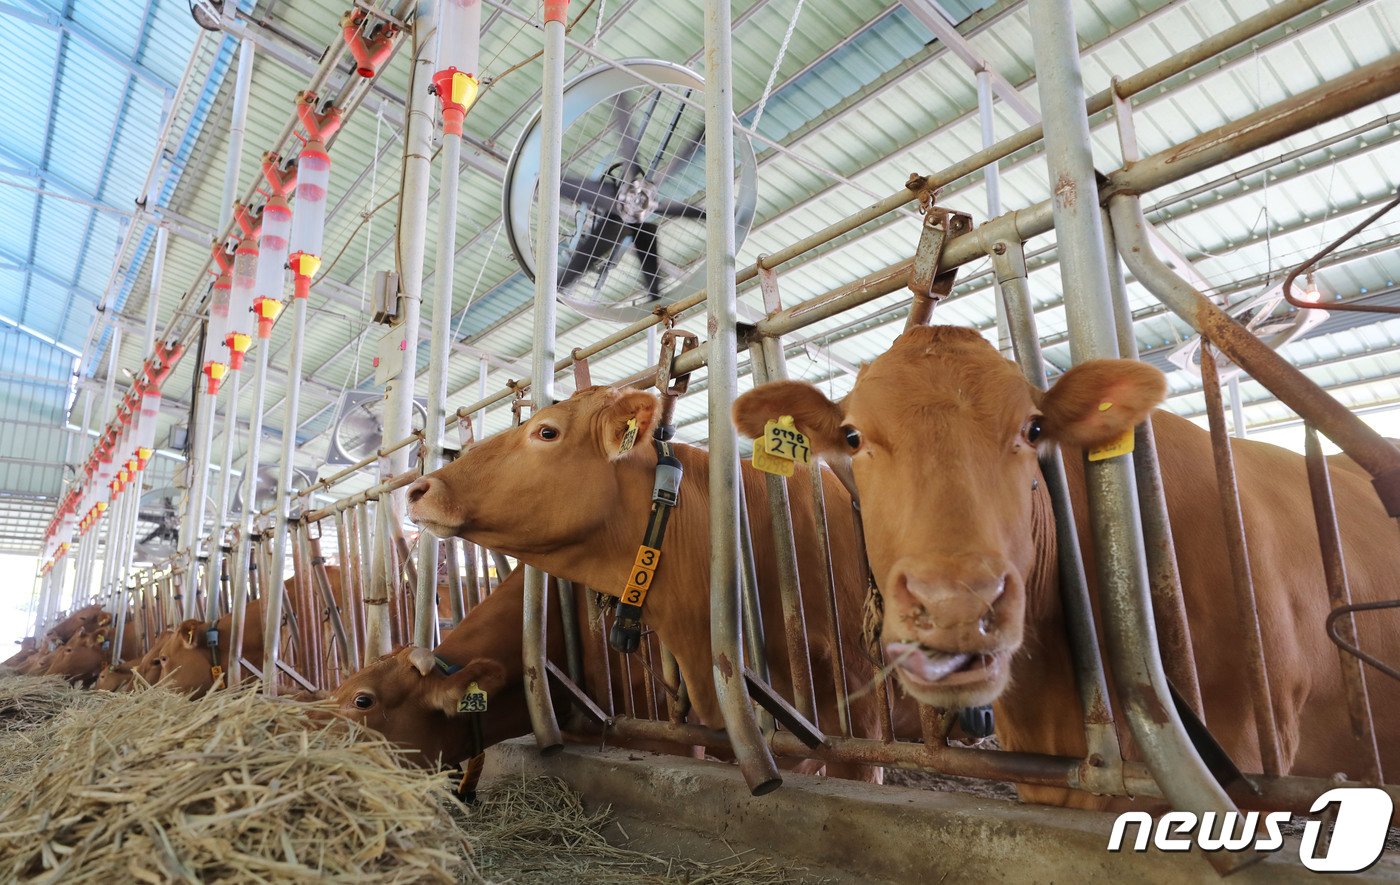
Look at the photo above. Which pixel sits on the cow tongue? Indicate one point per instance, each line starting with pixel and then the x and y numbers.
pixel 922 665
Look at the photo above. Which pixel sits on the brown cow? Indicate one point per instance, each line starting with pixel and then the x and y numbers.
pixel 942 435
pixel 186 660
pixel 80 659
pixel 561 492
pixel 28 647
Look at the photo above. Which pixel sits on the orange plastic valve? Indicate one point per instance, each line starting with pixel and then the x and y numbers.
pixel 304 268
pixel 238 344
pixel 215 372
pixel 457 91
pixel 267 310
pixel 143 457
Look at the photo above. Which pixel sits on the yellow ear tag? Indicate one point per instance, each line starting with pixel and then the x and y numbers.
pixel 782 439
pixel 630 437
pixel 771 463
pixel 1104 407
pixel 474 701
pixel 1123 445
pixel 217 672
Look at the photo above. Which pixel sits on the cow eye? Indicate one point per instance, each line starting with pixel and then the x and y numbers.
pixel 546 432
pixel 852 437
pixel 1033 429
pixel 364 701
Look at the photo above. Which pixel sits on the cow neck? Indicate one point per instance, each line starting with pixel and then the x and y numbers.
pixel 667 477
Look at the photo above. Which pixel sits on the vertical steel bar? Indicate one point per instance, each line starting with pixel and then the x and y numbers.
pixel 1163 575
pixel 1334 566
pixel 542 355
pixel 785 553
pixel 272 579
pixel 476 570
pixel 726 637
pixel 1113 508
pixel 108 390
pixel 991 179
pixel 452 564
pixel 237 124
pixel 838 648
pixel 1237 545
pixel 1101 734
pixel 346 551
pixel 441 327
pixel 348 653
pixel 568 618
pixel 221 494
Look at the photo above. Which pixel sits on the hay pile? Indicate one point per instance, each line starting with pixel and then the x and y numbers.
pixel 151 786
pixel 536 830
pixel 28 705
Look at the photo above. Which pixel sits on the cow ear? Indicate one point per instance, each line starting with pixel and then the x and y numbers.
pixel 487 674
pixel 627 422
pixel 422 660
pixel 816 416
pixel 1098 401
pixel 187 637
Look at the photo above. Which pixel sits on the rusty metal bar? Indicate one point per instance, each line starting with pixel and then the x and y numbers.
pixel 1307 266
pixel 1334 567
pixel 451 559
pixel 349 584
pixel 1163 575
pixel 838 656
pixel 1101 732
pixel 1237 546
pixel 348 653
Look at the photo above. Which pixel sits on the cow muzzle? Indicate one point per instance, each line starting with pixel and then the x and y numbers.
pixel 430 506
pixel 952 625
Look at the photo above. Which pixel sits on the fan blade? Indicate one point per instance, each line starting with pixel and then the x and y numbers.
pixel 648 246
pixel 587 191
pixel 597 243
pixel 630 140
pixel 682 156
pixel 669 208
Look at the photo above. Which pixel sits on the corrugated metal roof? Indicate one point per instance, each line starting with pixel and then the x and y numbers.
pixel 863 90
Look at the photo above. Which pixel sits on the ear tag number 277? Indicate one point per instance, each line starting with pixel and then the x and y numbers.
pixel 781 447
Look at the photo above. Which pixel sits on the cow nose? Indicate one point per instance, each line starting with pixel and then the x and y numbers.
pixel 950 593
pixel 419 489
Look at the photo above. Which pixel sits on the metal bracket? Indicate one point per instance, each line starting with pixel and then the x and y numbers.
pixel 785 713
pixel 519 404
pixel 929 283
pixel 582 376
pixel 578 696
pixel 672 387
pixel 768 285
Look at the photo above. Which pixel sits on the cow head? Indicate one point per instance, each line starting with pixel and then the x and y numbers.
pixel 184 663
pixel 80 658
pixel 116 678
pixel 567 451
pixel 409 699
pixel 942 435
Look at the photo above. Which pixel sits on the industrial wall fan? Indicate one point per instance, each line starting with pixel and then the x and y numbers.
pixel 158 524
pixel 265 495
pixel 632 218
pixel 1267 316
pixel 358 431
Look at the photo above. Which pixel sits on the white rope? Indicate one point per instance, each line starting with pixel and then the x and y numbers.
pixel 777 63
pixel 598 25
pixel 456 333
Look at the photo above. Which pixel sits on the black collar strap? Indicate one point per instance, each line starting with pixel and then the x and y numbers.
pixel 626 633
pixel 447 668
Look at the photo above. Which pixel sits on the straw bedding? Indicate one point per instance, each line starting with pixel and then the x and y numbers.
pixel 151 786
pixel 536 830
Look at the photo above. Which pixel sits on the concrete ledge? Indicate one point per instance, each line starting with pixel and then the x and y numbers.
pixel 850 832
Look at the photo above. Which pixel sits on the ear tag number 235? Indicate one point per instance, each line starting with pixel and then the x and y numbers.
pixel 474 701
pixel 781 447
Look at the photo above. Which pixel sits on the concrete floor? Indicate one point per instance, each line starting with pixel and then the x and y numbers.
pixel 845 832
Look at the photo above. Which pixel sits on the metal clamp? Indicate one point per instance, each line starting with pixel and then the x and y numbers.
pixel 672 387
pixel 582 376
pixel 929 283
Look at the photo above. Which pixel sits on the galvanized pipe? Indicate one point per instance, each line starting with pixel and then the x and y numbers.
pixel 242 549
pixel 785 550
pixel 1163 575
pixel 1100 731
pixel 192 527
pixel 369 582
pixel 536 615
pixel 349 654
pixel 425 620
pixel 238 122
pixel 726 638
pixel 273 583
pixel 1241 575
pixel 1113 508
pixel 221 495
pixel 452 563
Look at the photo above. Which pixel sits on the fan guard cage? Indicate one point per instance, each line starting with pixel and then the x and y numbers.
pixel 610 205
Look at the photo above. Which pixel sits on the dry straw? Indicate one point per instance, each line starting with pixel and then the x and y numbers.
pixel 150 786
pixel 536 831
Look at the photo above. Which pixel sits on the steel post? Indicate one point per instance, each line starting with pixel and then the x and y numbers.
pixel 221 494
pixel 726 637
pixel 108 389
pixel 242 550
pixel 1101 734
pixel 238 122
pixel 1163 575
pixel 542 355
pixel 991 180
pixel 1113 506
pixel 274 590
